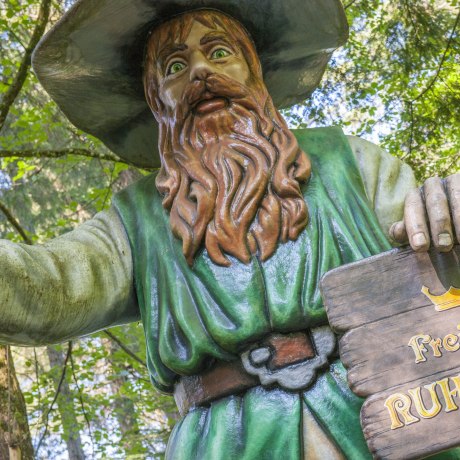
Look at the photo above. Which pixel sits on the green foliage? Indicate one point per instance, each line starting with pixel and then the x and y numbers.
pixel 397 82
pixel 118 412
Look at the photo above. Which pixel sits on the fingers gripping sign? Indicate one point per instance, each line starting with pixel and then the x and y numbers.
pixel 437 206
pixel 453 194
pixel 432 210
pixel 415 221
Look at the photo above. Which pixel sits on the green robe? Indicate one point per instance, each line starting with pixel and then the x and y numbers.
pixel 194 314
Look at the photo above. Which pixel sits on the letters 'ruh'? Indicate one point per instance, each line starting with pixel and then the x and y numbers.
pixel 400 312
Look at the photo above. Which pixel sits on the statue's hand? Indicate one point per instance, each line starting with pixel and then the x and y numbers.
pixel 435 209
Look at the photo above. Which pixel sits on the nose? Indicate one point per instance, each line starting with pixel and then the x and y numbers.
pixel 200 67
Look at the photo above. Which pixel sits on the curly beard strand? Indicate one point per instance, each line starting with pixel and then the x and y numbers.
pixel 231 179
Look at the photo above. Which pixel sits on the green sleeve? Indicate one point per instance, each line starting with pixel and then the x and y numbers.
pixel 74 285
pixel 387 180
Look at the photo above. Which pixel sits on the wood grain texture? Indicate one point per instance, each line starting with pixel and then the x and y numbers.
pixel 385 285
pixel 379 306
pixel 418 440
pixel 377 355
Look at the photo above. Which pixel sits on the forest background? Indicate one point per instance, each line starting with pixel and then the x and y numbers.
pixel 396 82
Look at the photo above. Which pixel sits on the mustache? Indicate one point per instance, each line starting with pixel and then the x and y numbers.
pixel 217 85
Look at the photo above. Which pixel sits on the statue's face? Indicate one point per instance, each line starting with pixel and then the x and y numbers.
pixel 204 52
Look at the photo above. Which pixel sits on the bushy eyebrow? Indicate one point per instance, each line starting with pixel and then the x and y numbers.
pixel 210 37
pixel 169 50
pixel 215 36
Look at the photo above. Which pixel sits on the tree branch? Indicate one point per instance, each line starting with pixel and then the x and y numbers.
pixel 37 377
pixel 349 4
pixel 58 390
pixel 82 404
pixel 10 96
pixel 441 63
pixel 60 153
pixel 12 220
pixel 125 348
pixel 14 35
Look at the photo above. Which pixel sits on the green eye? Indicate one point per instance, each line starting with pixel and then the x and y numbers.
pixel 220 54
pixel 175 67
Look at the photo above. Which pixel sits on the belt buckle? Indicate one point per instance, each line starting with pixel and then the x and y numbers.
pixel 290 361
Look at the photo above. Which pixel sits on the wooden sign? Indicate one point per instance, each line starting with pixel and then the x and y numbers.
pixel 400 315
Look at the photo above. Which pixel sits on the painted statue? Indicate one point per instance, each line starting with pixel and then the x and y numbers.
pixel 220 252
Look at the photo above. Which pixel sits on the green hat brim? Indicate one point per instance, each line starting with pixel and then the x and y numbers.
pixel 91 61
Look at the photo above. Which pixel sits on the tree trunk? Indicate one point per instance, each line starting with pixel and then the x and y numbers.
pixel 15 441
pixel 65 402
pixel 125 412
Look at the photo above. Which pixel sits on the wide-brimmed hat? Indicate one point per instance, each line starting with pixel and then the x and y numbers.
pixel 91 61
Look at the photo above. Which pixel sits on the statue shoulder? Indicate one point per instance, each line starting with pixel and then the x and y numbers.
pixel 378 167
pixel 386 178
pixel 326 146
pixel 134 195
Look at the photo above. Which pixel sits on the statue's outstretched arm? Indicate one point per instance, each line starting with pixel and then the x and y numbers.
pixel 74 285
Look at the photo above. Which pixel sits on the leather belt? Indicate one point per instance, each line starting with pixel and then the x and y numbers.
pixel 227 378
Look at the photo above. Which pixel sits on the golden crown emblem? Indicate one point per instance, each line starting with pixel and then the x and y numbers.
pixel 450 299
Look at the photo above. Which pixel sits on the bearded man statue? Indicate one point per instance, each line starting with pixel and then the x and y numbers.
pixel 221 251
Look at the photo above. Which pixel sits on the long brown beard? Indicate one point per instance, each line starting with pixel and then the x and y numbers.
pixel 231 179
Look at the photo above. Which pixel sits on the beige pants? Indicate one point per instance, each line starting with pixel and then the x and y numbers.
pixel 317 445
